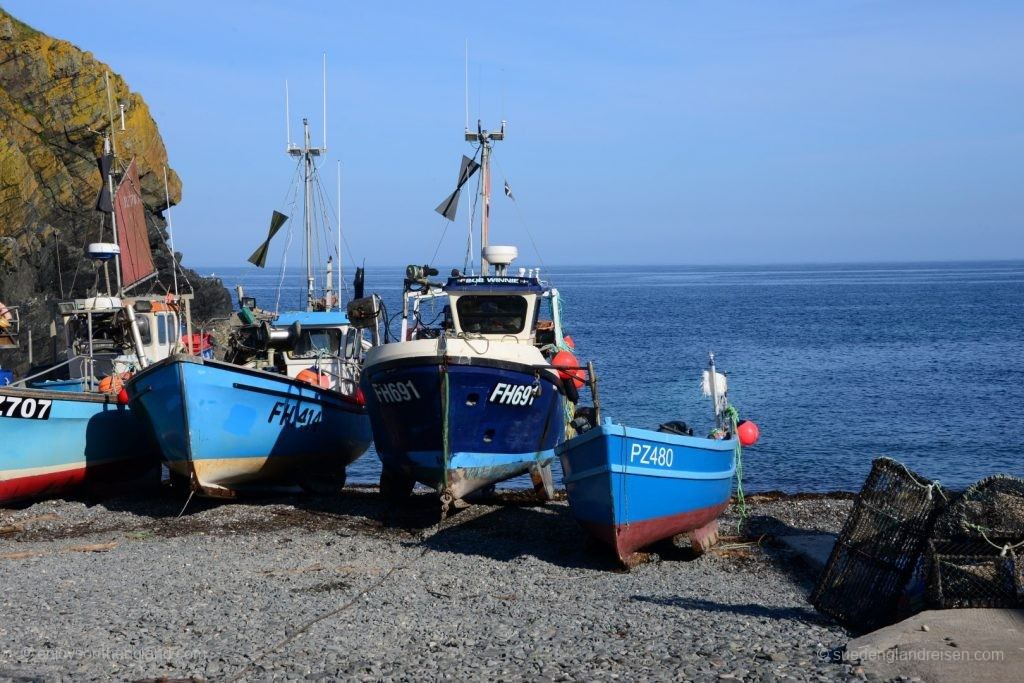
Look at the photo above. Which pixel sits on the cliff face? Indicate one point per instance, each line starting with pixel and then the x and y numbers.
pixel 53 110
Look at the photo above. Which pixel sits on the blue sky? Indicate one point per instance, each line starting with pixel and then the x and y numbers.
pixel 649 132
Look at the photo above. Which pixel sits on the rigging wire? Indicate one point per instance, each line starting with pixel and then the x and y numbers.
pixel 522 219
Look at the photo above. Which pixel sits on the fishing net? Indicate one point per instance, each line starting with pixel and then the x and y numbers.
pixel 992 507
pixel 879 547
pixel 972 573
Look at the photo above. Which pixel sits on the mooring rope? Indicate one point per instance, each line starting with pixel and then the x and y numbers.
pixel 741 501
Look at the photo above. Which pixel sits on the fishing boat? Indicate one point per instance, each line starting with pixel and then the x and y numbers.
pixel 476 395
pixel 283 408
pixel 70 424
pixel 630 487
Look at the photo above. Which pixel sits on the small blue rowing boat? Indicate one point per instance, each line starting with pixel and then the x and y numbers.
pixel 631 487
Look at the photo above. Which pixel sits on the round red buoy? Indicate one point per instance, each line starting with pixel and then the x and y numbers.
pixel 569 342
pixel 122 396
pixel 360 396
pixel 748 432
pixel 565 359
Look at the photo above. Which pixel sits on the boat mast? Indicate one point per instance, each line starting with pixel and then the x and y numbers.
pixel 307 153
pixel 485 139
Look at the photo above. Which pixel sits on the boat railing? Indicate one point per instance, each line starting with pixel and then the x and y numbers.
pixel 25 380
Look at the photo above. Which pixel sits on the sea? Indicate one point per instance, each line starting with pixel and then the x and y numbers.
pixel 836 364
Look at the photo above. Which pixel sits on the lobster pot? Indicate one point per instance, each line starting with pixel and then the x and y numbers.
pixel 972 573
pixel 879 547
pixel 994 505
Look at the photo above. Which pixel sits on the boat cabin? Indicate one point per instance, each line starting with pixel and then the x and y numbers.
pixel 97 333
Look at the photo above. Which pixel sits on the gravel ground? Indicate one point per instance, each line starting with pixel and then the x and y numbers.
pixel 311 588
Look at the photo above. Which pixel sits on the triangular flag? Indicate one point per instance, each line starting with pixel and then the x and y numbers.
pixel 508 191
pixel 259 257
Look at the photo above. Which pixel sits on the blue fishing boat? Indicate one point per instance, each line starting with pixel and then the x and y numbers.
pixel 283 408
pixel 476 395
pixel 630 487
pixel 69 423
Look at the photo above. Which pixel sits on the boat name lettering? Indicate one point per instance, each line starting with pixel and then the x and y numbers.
pixel 396 392
pixel 295 415
pixel 512 394
pixel 26 408
pixel 651 455
pixel 493 279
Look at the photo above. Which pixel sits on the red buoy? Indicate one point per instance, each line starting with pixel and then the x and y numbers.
pixel 748 432
pixel 564 359
pixel 569 342
pixel 122 396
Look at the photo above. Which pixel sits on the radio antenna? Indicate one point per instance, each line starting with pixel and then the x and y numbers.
pixel 325 102
pixel 287 117
pixel 467 85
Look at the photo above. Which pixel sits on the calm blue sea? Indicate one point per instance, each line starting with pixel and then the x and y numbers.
pixel 837 364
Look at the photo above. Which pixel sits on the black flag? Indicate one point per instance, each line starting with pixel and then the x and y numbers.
pixel 104 202
pixel 508 191
pixel 448 207
pixel 259 257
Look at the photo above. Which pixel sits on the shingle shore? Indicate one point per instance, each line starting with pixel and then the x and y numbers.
pixel 346 587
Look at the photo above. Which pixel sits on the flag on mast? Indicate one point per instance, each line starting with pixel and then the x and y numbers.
pixel 508 191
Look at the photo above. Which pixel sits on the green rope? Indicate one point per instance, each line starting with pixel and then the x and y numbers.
pixel 741 502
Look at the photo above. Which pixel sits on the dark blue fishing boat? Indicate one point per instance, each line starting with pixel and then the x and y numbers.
pixel 632 487
pixel 474 396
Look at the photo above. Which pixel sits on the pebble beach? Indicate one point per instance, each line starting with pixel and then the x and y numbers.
pixel 350 587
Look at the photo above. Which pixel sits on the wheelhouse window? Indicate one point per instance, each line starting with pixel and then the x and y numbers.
pixel 313 343
pixel 491 314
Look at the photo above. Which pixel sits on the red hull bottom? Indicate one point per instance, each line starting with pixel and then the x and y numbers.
pixel 55 483
pixel 626 539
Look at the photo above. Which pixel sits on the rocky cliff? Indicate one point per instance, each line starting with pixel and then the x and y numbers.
pixel 54 107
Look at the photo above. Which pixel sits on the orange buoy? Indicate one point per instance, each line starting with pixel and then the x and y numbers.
pixel 748 432
pixel 112 384
pixel 569 342
pixel 565 359
pixel 315 378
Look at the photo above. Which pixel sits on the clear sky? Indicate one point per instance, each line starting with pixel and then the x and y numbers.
pixel 646 132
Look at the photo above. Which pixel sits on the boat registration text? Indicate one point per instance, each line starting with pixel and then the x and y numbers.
pixel 646 454
pixel 396 392
pixel 26 408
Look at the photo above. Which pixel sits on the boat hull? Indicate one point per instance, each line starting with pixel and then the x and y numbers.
pixel 228 428
pixel 491 436
pixel 632 487
pixel 55 441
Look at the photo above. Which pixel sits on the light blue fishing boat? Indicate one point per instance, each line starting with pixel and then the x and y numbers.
pixel 69 424
pixel 631 487
pixel 284 407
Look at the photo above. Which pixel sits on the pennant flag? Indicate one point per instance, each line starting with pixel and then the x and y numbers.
pixel 508 191
pixel 104 202
pixel 448 207
pixel 259 257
